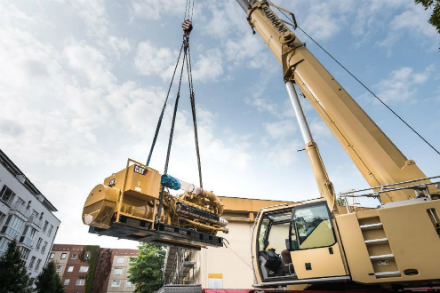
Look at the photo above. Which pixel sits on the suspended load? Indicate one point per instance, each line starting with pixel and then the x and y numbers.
pixel 127 204
pixel 136 203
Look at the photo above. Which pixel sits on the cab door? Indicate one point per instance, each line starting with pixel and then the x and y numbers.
pixel 314 250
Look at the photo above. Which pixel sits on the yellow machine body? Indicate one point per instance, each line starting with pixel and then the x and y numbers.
pixel 126 206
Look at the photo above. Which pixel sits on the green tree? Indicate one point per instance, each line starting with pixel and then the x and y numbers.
pixel 435 17
pixel 49 281
pixel 146 272
pixel 13 274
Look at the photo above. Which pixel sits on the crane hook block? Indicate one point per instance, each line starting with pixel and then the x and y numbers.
pixel 187 27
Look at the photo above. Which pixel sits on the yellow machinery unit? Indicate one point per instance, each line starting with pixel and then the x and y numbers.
pixel 126 206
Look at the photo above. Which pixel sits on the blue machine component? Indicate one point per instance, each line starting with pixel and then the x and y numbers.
pixel 170 182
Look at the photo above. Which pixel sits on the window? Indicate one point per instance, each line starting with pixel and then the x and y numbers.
pixel 129 284
pixel 29 234
pixel 14 226
pixel 50 230
pixel 80 282
pixel 3 245
pixel 120 260
pixel 52 255
pixel 46 223
pixel 87 256
pixel 63 255
pixel 70 269
pixel 273 241
pixel 116 283
pixel 66 282
pixel 313 227
pixel 37 266
pixel 83 269
pixel 59 268
pixel 31 263
pixel 39 244
pixel 43 249
pixel 24 253
pixel 6 194
pixel 74 255
pixel 117 271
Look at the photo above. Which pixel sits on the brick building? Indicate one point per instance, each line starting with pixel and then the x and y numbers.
pixel 101 269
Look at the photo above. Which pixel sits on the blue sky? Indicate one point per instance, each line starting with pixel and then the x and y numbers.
pixel 82 84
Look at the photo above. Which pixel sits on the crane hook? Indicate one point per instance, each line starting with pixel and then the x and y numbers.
pixel 187 27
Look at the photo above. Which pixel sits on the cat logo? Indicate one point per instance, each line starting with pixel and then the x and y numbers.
pixel 140 170
pixel 112 182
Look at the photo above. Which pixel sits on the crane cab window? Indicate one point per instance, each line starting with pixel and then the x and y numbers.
pixel 313 227
pixel 273 245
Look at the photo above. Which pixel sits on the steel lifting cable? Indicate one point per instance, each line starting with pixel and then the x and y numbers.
pixel 159 122
pixel 363 85
pixel 187 28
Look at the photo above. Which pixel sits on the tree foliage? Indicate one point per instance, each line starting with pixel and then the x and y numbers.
pixel 146 272
pixel 435 17
pixel 13 274
pixel 49 281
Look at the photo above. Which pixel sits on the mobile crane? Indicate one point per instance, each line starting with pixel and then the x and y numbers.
pixel 312 242
pixel 318 241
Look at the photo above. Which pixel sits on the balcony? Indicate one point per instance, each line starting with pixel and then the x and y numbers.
pixel 35 221
pixel 9 231
pixel 18 208
pixel 27 241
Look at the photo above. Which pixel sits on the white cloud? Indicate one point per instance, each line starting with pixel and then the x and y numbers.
pixel 90 62
pixel 151 60
pixel 283 154
pixel 209 66
pixel 94 15
pixel 401 84
pixel 418 27
pixel 319 130
pixel 155 9
pixel 281 129
pixel 95 18
pixel 249 50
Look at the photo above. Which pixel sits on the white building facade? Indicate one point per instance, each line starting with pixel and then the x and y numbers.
pixel 26 216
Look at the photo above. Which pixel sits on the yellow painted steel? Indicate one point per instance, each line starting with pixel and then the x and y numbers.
pixel 134 193
pixel 376 157
pixel 395 244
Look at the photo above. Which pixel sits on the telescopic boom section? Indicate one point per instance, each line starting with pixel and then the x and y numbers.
pixel 374 154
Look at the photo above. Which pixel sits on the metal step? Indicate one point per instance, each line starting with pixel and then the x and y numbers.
pixel 387 274
pixel 371 226
pixel 376 241
pixel 384 256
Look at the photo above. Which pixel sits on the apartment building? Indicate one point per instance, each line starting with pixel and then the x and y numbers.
pixel 102 269
pixel 26 216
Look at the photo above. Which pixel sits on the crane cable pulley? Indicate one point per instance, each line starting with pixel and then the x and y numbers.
pixel 295 26
pixel 186 60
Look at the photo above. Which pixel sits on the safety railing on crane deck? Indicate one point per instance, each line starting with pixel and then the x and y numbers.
pixel 421 190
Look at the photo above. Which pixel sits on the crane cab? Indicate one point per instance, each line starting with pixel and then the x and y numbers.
pixel 297 244
pixel 304 243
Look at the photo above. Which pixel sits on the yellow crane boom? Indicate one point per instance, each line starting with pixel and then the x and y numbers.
pixel 375 155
